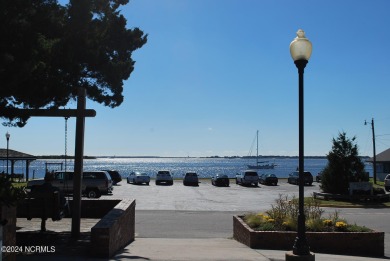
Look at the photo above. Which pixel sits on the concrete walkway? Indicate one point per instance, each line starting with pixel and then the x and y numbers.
pixel 216 249
pixel 208 249
pixel 154 249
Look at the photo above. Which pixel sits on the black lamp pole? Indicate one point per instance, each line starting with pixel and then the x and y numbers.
pixel 301 247
pixel 300 49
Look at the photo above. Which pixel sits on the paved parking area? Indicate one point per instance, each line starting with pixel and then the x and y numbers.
pixel 181 212
pixel 206 197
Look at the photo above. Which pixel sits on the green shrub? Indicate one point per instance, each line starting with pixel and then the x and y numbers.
pixel 356 228
pixel 10 195
pixel 315 225
pixel 378 191
pixel 344 166
pixel 266 227
pixel 283 216
pixel 290 225
pixel 253 220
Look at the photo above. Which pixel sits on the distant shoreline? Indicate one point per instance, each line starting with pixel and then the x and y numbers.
pixel 160 157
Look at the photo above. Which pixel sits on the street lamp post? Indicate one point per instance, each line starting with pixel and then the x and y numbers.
pixel 300 49
pixel 7 135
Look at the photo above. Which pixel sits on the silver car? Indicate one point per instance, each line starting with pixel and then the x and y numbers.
pixel 387 182
pixel 138 178
pixel 164 176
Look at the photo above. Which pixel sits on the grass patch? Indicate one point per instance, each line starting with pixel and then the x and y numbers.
pixel 379 184
pixel 19 184
pixel 348 204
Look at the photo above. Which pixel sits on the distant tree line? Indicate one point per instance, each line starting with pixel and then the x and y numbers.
pixel 62 157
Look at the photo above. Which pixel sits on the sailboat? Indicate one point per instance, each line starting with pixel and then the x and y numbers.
pixel 262 166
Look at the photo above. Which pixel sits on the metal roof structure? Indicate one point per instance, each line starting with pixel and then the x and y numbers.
pixel 384 156
pixel 15 155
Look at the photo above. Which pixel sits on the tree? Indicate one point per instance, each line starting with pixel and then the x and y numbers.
pixel 344 166
pixel 48 51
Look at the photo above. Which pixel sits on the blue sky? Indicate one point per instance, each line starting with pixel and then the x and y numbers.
pixel 215 71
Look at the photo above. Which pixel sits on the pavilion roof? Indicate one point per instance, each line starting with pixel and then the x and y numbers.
pixel 15 155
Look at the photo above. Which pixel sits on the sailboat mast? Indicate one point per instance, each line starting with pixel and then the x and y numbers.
pixel 257 148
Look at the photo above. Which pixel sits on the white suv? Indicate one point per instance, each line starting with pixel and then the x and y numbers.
pixel 387 183
pixel 164 176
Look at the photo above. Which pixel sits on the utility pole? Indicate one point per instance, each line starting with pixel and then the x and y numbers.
pixel 373 144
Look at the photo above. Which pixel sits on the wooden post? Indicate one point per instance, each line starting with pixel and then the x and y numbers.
pixel 78 163
pixel 80 113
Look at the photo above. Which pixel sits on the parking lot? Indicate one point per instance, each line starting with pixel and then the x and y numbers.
pixel 206 211
pixel 206 197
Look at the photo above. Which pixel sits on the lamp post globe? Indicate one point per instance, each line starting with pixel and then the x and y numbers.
pixel 300 47
pixel 300 50
pixel 7 136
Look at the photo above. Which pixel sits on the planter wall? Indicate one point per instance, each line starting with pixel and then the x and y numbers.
pixel 116 227
pixel 115 230
pixel 344 243
pixel 9 230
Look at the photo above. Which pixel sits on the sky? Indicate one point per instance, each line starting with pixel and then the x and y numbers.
pixel 213 72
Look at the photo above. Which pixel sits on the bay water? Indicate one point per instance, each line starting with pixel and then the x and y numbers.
pixel 205 167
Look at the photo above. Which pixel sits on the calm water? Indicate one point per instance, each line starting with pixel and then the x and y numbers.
pixel 205 167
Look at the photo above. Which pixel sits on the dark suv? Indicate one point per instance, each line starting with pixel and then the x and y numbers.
pixel 94 183
pixel 115 176
pixel 293 178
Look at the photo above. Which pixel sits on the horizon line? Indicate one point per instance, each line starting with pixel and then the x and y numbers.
pixel 215 156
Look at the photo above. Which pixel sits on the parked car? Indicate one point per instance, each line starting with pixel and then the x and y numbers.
pixel 248 177
pixel 387 182
pixel 293 178
pixel 94 183
pixel 164 176
pixel 268 179
pixel 191 178
pixel 115 176
pixel 97 183
pixel 319 177
pixel 138 178
pixel 220 180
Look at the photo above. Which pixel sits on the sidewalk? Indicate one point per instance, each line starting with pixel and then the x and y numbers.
pixel 153 249
pixel 216 249
pixel 209 249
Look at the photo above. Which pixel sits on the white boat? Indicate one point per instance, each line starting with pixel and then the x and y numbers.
pixel 259 164
pixel 264 166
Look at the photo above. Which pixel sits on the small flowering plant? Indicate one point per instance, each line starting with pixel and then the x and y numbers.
pixel 284 216
pixel 328 222
pixel 341 226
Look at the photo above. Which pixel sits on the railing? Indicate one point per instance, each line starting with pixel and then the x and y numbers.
pixel 19 177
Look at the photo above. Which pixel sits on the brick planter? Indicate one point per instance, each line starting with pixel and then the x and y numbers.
pixel 115 230
pixel 344 243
